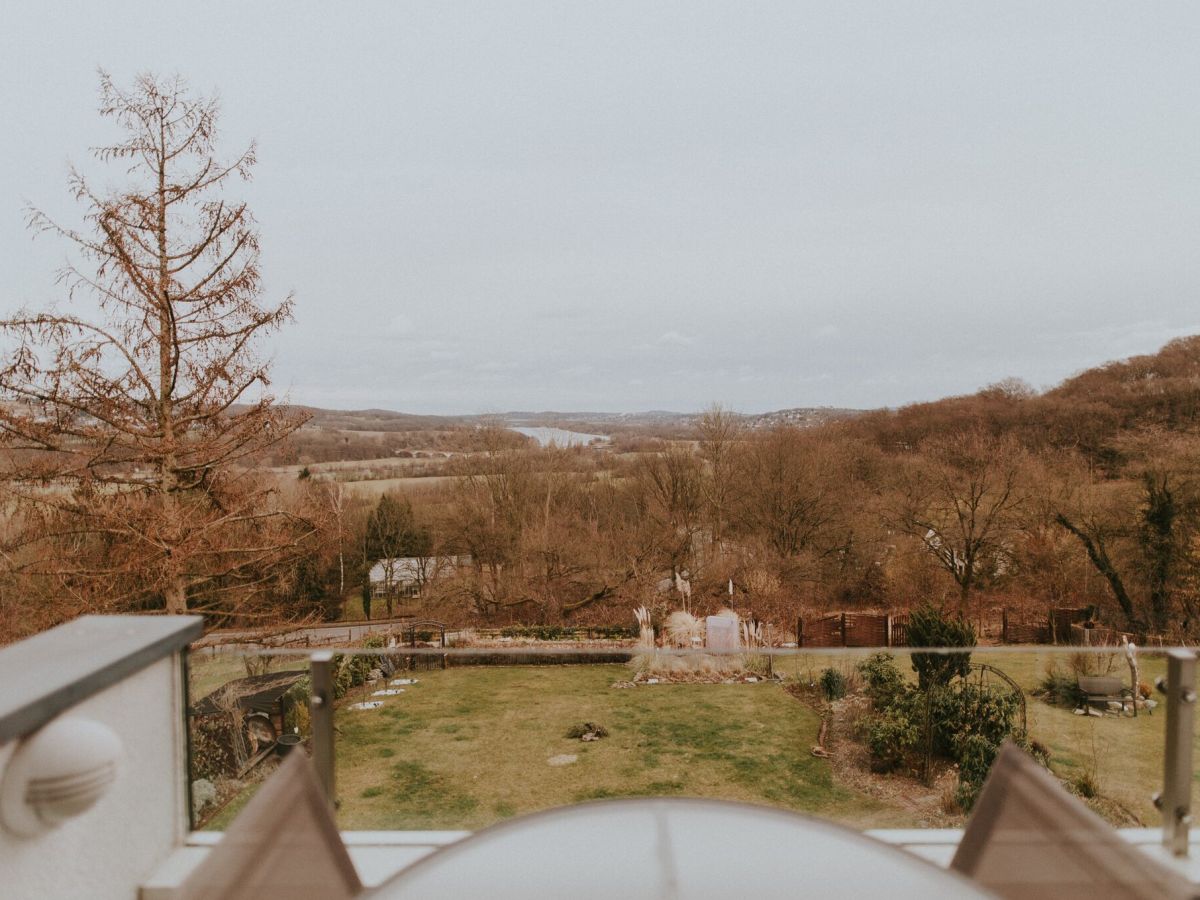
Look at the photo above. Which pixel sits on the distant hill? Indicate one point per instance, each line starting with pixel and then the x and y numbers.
pixel 375 420
pixel 383 420
pixel 803 416
pixel 1109 413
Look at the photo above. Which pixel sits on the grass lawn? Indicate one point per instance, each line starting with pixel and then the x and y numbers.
pixel 470 746
pixel 467 747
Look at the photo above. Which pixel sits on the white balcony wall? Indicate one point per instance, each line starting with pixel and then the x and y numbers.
pixel 107 852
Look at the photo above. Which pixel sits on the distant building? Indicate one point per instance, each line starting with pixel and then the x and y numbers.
pixel 406 576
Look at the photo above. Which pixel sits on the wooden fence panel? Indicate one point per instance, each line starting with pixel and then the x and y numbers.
pixel 826 631
pixel 865 630
pixel 1022 633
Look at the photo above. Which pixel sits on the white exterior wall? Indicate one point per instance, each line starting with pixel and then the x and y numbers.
pixel 115 846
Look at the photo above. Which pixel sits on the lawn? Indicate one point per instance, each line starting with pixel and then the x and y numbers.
pixel 467 747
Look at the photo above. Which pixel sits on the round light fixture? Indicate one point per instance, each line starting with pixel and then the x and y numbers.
pixel 57 773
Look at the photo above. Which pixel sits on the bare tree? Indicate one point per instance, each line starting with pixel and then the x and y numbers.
pixel 335 497
pixel 669 483
pixel 960 499
pixel 719 432
pixel 787 493
pixel 129 426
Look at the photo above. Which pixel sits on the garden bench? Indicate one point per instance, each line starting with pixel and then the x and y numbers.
pixel 1104 689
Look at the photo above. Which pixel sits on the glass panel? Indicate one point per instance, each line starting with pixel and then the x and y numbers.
pixel 246 705
pixel 852 735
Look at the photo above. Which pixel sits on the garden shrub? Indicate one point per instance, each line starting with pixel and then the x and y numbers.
pixel 567 633
pixel 976 723
pixel 297 719
pixel 833 684
pixel 965 723
pixel 975 757
pixel 360 667
pixel 892 736
pixel 757 664
pixel 929 627
pixel 538 632
pixel 341 677
pixel 614 632
pixel 882 677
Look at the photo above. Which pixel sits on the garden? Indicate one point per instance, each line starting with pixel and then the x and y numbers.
pixel 868 738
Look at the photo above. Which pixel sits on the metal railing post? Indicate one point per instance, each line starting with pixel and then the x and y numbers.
pixel 321 699
pixel 1176 798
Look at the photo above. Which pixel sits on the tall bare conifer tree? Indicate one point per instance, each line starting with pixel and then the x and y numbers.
pixel 129 421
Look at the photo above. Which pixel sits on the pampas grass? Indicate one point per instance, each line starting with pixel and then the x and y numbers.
pixel 645 629
pixel 684 630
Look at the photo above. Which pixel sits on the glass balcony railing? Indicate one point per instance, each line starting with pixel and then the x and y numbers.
pixel 427 737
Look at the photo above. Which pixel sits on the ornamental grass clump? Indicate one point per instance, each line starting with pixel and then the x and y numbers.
pixel 684 630
pixel 1060 688
pixel 833 684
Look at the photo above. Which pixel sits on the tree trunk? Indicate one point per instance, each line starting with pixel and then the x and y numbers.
pixel 176 597
pixel 176 593
pixel 964 598
pixel 1104 566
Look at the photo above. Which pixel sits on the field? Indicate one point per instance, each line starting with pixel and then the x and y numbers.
pixel 372 489
pixel 467 747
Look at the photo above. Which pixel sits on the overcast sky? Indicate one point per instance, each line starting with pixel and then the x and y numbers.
pixel 644 205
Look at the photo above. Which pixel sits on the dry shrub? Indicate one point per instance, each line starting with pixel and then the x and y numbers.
pixel 668 665
pixel 949 802
pixel 760 582
pixel 1092 664
pixel 257 664
pixel 682 629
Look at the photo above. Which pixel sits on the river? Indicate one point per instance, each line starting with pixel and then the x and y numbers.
pixel 559 436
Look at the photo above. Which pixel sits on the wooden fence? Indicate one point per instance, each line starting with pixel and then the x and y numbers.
pixel 1062 625
pixel 851 630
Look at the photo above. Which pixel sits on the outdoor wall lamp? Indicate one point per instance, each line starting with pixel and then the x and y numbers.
pixel 57 773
